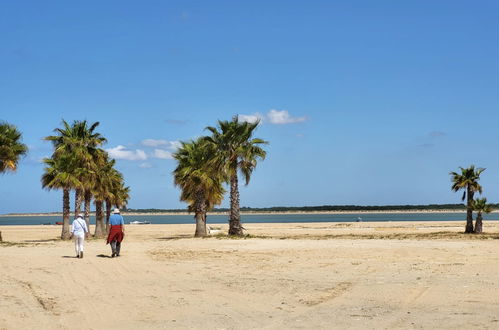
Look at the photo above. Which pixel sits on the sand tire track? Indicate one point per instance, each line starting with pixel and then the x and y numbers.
pixel 329 294
pixel 48 304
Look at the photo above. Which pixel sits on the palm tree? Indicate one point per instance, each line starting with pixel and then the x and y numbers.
pixel 237 152
pixel 11 148
pixel 58 174
pixel 200 183
pixel 106 178
pixel 468 181
pixel 90 177
pixel 81 142
pixel 118 196
pixel 480 205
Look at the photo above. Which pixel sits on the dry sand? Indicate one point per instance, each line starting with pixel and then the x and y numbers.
pixel 313 275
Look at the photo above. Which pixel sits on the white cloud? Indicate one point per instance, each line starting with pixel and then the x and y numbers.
pixel 120 152
pixel 283 117
pixel 145 165
pixel 173 145
pixel 273 117
pixel 162 154
pixel 250 118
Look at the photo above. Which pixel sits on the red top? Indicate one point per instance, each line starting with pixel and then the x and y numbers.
pixel 115 234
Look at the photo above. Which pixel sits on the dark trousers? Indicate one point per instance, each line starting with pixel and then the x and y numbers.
pixel 116 246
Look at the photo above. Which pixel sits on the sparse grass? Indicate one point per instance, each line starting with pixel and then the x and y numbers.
pixel 26 243
pixel 432 235
pixel 235 237
pixel 388 236
pixel 9 244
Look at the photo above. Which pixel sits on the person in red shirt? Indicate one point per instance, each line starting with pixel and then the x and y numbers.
pixel 116 232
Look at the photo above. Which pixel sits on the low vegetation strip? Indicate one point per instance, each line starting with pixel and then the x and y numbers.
pixel 394 236
pixel 322 208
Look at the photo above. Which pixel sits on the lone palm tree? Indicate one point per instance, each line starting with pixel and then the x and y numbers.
pixel 468 181
pixel 237 152
pixel 11 148
pixel 201 183
pixel 480 205
pixel 58 174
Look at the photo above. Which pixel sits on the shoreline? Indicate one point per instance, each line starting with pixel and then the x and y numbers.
pixel 254 213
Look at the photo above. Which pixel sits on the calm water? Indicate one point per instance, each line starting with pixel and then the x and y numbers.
pixel 269 218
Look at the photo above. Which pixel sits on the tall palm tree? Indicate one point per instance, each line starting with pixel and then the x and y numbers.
pixel 58 174
pixel 480 205
pixel 11 147
pixel 90 177
pixel 119 195
pixel 468 181
pixel 106 178
pixel 200 183
pixel 237 152
pixel 81 142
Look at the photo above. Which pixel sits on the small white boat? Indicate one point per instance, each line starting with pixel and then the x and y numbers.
pixel 140 222
pixel 213 231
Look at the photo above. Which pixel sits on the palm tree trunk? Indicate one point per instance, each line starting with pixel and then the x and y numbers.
pixel 88 200
pixel 108 213
pixel 200 211
pixel 78 200
pixel 99 220
pixel 469 212
pixel 65 214
pixel 235 227
pixel 478 223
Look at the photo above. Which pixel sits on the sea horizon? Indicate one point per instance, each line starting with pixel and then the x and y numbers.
pixel 261 218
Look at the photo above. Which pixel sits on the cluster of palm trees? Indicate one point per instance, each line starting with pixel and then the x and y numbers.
pixel 205 164
pixel 468 181
pixel 79 164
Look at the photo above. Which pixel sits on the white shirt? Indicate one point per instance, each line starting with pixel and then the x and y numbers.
pixel 79 227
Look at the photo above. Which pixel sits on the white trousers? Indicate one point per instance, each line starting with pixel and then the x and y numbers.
pixel 79 243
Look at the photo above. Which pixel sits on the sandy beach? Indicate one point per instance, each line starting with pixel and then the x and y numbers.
pixel 389 275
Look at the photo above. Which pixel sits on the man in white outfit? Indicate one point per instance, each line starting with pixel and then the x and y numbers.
pixel 79 230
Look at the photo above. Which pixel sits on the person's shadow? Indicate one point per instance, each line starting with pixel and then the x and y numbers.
pixel 73 257
pixel 103 256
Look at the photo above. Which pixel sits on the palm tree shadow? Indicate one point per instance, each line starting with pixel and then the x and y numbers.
pixel 172 238
pixel 103 256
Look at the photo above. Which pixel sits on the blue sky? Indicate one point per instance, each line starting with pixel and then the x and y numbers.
pixel 363 102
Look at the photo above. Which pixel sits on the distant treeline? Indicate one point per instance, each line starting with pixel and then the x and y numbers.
pixel 326 208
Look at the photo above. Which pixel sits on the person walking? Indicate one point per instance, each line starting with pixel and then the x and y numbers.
pixel 116 232
pixel 78 231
